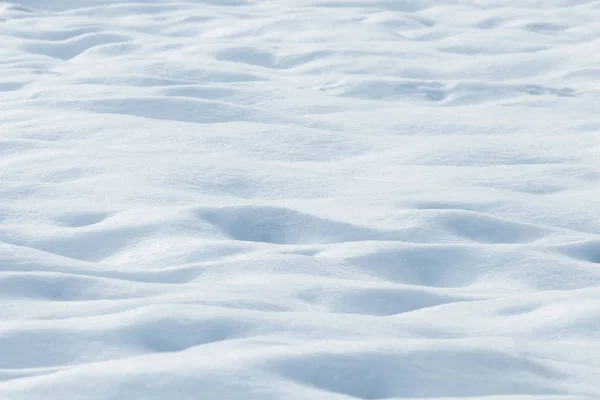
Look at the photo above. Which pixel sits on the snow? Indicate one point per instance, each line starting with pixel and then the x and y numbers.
pixel 300 199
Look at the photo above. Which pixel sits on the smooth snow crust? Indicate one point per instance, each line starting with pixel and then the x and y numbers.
pixel 300 199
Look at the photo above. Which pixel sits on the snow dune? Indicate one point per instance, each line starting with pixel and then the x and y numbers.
pixel 300 199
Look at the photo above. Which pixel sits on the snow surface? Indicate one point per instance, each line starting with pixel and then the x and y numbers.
pixel 300 199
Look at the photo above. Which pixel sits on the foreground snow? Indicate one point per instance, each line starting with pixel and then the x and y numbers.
pixel 299 199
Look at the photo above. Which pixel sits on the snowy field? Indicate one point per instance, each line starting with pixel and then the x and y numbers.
pixel 300 199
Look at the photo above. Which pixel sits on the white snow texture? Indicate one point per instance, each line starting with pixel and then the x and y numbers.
pixel 299 199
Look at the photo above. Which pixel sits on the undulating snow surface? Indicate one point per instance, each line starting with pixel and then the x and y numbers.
pixel 300 199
